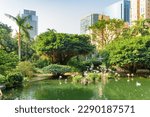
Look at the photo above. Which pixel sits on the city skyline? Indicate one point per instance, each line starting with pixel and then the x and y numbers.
pixel 61 15
pixel 119 10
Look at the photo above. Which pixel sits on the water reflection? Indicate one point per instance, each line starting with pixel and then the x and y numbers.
pixel 51 90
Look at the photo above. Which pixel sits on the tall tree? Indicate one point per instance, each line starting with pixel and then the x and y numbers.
pixel 61 47
pixel 130 54
pixel 23 28
pixel 7 43
pixel 104 31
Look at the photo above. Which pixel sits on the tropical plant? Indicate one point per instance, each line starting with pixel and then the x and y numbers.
pixel 8 61
pixel 93 77
pixel 130 54
pixel 23 28
pixel 141 27
pixel 61 47
pixel 2 79
pixel 26 68
pixel 7 43
pixel 81 63
pixel 77 79
pixel 104 31
pixel 14 79
pixel 57 70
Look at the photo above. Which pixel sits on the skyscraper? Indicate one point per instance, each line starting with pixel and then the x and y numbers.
pixel 86 22
pixel 89 20
pixel 140 8
pixel 145 8
pixel 135 10
pixel 119 10
pixel 33 21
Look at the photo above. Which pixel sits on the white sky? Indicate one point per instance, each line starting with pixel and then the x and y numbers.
pixel 61 15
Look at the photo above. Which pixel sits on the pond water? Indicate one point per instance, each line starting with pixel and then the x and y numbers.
pixel 136 89
pixel 51 90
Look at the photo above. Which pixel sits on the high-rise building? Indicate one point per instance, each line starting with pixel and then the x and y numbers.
pixel 89 20
pixel 135 10
pixel 33 21
pixel 140 8
pixel 119 10
pixel 86 22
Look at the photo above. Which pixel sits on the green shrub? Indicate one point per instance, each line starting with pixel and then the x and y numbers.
pixel 82 65
pixel 57 69
pixel 111 76
pixel 26 68
pixel 8 61
pixel 40 63
pixel 2 79
pixel 93 77
pixel 14 79
pixel 130 54
pixel 77 79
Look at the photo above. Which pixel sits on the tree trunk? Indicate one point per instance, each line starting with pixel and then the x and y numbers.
pixel 19 45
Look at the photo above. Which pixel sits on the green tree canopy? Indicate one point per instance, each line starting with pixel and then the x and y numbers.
pixel 140 27
pixel 60 47
pixel 104 31
pixel 6 42
pixel 130 54
pixel 7 61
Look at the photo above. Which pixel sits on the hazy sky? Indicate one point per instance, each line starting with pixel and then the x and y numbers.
pixel 61 15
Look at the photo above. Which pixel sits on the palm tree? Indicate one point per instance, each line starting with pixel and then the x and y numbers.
pixel 23 28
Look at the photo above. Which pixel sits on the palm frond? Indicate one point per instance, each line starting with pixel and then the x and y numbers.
pixel 11 17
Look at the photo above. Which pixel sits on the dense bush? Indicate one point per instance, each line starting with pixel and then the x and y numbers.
pixel 2 79
pixel 14 79
pixel 77 79
pixel 93 77
pixel 8 61
pixel 89 78
pixel 83 65
pixel 42 63
pixel 57 69
pixel 130 54
pixel 26 68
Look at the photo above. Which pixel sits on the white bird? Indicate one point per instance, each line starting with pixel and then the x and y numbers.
pixel 128 75
pixel 60 77
pixel 138 84
pixel 132 74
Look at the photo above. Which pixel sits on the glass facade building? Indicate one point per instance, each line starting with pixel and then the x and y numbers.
pixel 33 21
pixel 88 21
pixel 119 10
